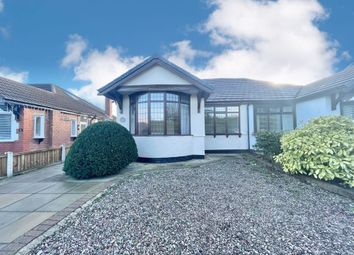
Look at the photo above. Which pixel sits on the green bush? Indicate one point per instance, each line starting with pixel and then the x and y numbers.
pixel 323 148
pixel 101 149
pixel 268 143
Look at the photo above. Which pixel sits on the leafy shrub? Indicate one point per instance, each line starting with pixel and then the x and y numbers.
pixel 268 143
pixel 101 149
pixel 323 148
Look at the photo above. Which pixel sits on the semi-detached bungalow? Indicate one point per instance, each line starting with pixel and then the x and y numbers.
pixel 41 116
pixel 173 115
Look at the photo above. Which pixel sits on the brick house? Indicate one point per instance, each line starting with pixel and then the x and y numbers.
pixel 41 116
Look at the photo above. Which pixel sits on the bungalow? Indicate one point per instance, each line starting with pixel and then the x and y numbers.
pixel 41 116
pixel 173 115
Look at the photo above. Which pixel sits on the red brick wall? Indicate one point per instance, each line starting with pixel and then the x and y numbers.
pixel 57 130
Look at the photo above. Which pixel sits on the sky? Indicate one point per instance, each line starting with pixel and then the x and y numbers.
pixel 82 45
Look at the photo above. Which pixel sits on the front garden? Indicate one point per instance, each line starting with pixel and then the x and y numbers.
pixel 323 148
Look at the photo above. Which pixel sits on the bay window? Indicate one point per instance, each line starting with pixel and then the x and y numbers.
pixel 222 120
pixel 274 118
pixel 159 113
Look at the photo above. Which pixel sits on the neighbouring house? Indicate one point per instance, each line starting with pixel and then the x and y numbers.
pixel 41 116
pixel 173 115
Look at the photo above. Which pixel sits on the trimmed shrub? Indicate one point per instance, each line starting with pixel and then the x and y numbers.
pixel 323 148
pixel 101 149
pixel 268 143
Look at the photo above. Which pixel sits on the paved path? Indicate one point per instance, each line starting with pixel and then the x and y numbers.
pixel 33 202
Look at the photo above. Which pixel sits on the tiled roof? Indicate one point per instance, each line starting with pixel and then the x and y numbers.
pixel 339 80
pixel 227 90
pixel 48 96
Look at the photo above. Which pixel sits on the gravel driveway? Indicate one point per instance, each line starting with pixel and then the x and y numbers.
pixel 226 207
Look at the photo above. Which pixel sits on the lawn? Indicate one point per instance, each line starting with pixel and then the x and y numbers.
pixel 228 206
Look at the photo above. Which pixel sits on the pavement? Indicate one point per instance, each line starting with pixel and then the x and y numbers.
pixel 33 202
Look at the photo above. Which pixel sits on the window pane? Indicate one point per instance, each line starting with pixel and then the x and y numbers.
pixel 157 118
pixel 157 96
pixel 184 99
pixel 172 97
pixel 143 119
pixel 274 109
pixel 143 98
pixel 220 121
pixel 220 109
pixel 232 109
pixel 209 123
pixel 5 126
pixel 132 119
pixel 209 109
pixel 184 119
pixel 262 109
pixel 38 126
pixel 274 122
pixel 233 123
pixel 172 118
pixel 288 122
pixel 287 109
pixel 262 122
pixel 348 110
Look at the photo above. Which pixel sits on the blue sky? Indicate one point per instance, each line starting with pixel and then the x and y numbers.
pixel 209 38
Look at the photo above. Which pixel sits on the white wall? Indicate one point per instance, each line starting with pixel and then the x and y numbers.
pixel 313 108
pixel 170 146
pixel 232 142
pixel 157 75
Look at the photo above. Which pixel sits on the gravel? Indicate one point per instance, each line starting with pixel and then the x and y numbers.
pixel 231 206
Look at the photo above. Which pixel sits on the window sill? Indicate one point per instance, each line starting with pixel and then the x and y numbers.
pixel 160 135
pixel 38 139
pixel 7 141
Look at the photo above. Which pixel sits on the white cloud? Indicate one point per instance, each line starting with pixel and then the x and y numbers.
pixel 1 5
pixel 97 68
pixel 12 75
pixel 269 40
pixel 75 46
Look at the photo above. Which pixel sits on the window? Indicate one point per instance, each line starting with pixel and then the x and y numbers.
pixel 38 126
pixel 73 128
pixel 159 113
pixel 222 120
pixel 274 118
pixel 5 126
pixel 348 109
pixel 83 123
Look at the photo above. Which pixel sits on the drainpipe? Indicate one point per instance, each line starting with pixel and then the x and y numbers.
pixel 248 129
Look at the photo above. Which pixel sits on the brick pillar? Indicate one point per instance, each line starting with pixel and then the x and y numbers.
pixel 108 107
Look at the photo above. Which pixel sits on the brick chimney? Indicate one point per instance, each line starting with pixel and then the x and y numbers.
pixel 108 107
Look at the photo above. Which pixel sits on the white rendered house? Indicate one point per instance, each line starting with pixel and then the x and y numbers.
pixel 174 115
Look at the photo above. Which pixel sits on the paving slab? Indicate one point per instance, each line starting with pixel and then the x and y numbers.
pixel 30 187
pixel 8 199
pixel 60 203
pixel 9 217
pixel 60 188
pixel 15 229
pixel 31 203
pixel 86 188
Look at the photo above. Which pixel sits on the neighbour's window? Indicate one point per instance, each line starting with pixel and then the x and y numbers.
pixel 222 120
pixel 5 126
pixel 160 113
pixel 274 118
pixel 38 126
pixel 73 128
pixel 348 109
pixel 83 123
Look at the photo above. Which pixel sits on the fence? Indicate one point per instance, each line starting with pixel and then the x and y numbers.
pixel 12 164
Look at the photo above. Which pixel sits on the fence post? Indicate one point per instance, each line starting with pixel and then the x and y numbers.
pixel 62 153
pixel 10 164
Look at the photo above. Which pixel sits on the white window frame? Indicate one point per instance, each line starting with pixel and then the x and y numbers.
pixel 73 128
pixel 41 133
pixel 13 127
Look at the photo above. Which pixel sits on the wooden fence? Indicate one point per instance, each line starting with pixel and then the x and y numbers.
pixel 32 160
